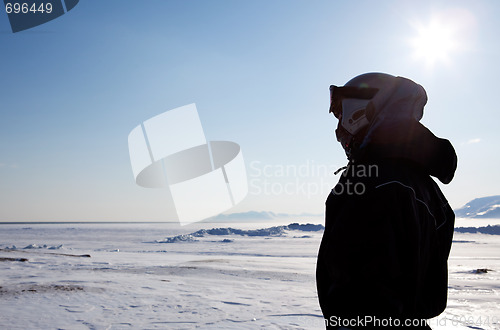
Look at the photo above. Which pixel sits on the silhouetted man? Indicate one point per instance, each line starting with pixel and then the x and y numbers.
pixel 388 228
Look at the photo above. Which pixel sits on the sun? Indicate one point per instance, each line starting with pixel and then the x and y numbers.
pixel 434 43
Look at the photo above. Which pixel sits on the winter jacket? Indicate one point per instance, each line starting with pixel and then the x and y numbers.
pixel 388 230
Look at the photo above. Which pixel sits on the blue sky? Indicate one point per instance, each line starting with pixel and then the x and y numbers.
pixel 259 71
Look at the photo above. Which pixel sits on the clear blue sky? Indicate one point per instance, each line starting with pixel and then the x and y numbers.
pixel 72 89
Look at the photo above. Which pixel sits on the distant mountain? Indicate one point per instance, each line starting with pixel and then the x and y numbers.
pixel 256 216
pixel 485 207
pixel 253 215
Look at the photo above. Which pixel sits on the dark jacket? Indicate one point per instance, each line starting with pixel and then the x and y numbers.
pixel 387 239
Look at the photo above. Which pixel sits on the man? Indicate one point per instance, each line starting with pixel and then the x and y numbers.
pixel 388 228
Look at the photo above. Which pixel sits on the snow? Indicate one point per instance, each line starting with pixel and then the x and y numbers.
pixel 271 231
pixel 243 276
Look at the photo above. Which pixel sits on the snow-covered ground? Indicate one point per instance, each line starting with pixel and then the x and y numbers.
pixel 155 276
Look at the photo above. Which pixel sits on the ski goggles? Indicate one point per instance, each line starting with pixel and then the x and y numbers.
pixel 337 94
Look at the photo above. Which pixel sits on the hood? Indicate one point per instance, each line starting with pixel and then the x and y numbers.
pixel 395 132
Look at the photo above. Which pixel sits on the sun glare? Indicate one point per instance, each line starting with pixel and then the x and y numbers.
pixel 434 43
pixel 446 33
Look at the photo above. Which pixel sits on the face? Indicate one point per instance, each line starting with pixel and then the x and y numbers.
pixel 343 135
pixel 348 105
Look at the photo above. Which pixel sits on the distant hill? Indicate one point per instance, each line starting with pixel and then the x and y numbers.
pixel 257 216
pixel 250 215
pixel 484 207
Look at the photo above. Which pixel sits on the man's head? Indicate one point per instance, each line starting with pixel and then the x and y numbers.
pixel 361 99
